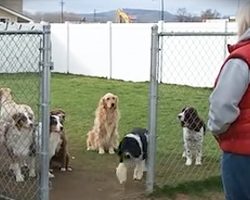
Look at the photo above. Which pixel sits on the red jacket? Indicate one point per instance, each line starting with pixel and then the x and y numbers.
pixel 237 138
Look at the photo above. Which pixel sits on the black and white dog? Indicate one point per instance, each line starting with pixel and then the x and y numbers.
pixel 132 150
pixel 193 132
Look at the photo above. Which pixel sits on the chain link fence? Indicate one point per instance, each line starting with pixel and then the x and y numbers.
pixel 184 66
pixel 24 87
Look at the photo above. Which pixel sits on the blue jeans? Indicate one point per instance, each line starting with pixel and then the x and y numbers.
pixel 235 170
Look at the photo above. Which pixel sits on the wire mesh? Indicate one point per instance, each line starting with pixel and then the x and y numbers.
pixel 20 78
pixel 188 67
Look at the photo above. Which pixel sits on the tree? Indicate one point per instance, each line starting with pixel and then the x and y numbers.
pixel 182 15
pixel 209 14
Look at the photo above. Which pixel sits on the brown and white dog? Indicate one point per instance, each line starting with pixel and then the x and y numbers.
pixel 19 140
pixel 194 130
pixel 55 137
pixel 61 156
pixel 104 134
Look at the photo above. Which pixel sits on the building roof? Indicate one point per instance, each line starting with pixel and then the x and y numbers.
pixel 17 14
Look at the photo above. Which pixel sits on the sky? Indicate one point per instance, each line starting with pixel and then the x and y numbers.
pixel 224 7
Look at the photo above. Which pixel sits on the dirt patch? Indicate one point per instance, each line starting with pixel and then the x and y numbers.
pixel 95 181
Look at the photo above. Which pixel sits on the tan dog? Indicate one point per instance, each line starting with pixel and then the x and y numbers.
pixel 104 134
pixel 9 107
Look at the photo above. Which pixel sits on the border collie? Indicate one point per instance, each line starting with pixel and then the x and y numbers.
pixel 132 150
pixel 193 132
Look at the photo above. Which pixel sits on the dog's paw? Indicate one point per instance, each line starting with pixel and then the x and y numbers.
pixel 138 177
pixel 19 178
pixel 197 162
pixel 101 151
pixel 111 151
pixel 138 174
pixel 121 173
pixel 32 173
pixel 69 169
pixel 188 162
pixel 63 169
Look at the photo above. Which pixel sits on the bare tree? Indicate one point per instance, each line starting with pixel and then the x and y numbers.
pixel 182 14
pixel 210 14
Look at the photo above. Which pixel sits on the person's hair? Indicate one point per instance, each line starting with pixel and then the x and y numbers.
pixel 243 18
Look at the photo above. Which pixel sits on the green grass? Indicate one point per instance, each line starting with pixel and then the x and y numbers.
pixel 199 189
pixel 79 96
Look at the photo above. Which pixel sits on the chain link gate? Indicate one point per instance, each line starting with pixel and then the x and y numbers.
pixel 184 66
pixel 24 79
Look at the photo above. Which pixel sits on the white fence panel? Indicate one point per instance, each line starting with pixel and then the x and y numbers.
pixel 131 51
pixel 89 49
pixel 122 51
pixel 59 34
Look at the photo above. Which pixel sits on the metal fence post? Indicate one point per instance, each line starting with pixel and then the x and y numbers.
pixel 161 24
pixel 109 23
pixel 153 95
pixel 46 64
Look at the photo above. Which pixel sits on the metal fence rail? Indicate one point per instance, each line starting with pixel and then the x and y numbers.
pixel 183 81
pixel 24 70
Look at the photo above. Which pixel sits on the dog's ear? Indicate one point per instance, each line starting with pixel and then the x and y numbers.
pixel 18 117
pixel 119 152
pixel 59 112
pixel 193 111
pixel 117 99
pixel 5 90
pixel 102 103
pixel 184 108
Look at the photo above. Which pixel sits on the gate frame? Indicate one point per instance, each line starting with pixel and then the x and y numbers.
pixel 46 66
pixel 155 80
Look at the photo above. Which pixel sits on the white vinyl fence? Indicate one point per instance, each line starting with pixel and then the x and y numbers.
pixel 122 51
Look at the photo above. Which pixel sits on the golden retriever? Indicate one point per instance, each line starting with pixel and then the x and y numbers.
pixel 104 134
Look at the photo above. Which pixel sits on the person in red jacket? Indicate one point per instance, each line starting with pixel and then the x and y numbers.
pixel 229 113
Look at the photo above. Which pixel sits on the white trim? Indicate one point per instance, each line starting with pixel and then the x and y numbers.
pixel 15 13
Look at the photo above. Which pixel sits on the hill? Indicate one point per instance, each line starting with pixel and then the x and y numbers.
pixel 141 16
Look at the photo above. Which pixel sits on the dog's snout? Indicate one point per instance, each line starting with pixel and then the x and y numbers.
pixel 127 155
pixel 112 105
pixel 61 128
pixel 179 116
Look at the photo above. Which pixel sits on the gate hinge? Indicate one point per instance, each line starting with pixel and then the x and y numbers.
pixel 49 64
